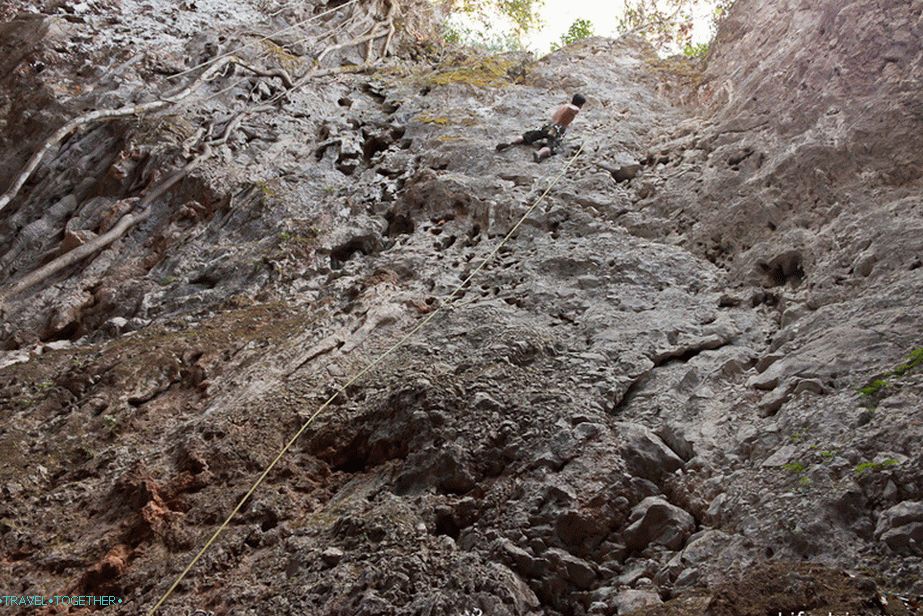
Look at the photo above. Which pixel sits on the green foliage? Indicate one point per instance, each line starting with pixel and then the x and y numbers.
pixel 523 13
pixel 866 467
pixel 668 24
pixel 520 17
pixel 452 35
pixel 721 12
pixel 914 360
pixel 873 387
pixel 695 50
pixel 798 469
pixel 664 23
pixel 579 30
pixel 38 391
pixel 265 188
pixel 111 423
pixel 487 37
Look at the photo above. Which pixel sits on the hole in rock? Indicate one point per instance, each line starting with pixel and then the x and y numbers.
pixel 365 245
pixel 786 269
pixel 374 144
pixel 68 332
pixel 398 224
pixel 445 525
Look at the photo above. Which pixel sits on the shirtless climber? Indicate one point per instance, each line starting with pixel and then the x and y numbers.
pixel 550 135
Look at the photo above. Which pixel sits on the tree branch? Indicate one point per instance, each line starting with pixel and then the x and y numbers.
pixel 121 227
pixel 102 115
pixel 356 41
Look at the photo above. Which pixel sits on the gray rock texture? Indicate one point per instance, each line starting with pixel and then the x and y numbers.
pixel 693 375
pixel 656 522
pixel 901 527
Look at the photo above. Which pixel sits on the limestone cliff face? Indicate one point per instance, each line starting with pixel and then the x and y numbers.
pixel 651 392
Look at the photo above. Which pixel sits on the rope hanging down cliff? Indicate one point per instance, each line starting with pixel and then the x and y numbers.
pixel 447 301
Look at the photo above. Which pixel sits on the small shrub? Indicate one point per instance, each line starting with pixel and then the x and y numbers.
pixel 452 35
pixel 267 190
pixel 579 30
pixel 794 467
pixel 914 360
pixel 873 387
pixel 111 423
pixel 868 467
pixel 695 50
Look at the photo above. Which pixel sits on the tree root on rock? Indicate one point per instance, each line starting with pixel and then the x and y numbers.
pixel 102 115
pixel 143 208
pixel 378 30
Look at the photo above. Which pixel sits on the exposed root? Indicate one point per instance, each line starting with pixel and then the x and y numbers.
pixel 323 72
pixel 356 41
pixel 121 227
pixel 281 73
pixel 128 221
pixel 391 31
pixel 102 115
pixel 378 30
pixel 143 210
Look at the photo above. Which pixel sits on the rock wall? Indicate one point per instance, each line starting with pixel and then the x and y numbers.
pixel 651 395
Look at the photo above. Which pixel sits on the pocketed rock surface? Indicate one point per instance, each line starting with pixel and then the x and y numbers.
pixel 648 402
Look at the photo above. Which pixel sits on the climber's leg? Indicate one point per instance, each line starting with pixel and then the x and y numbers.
pixel 516 141
pixel 540 155
pixel 532 136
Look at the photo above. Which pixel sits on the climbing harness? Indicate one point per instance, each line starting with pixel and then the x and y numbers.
pixel 447 301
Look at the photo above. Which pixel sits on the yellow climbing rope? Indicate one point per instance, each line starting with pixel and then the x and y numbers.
pixel 446 302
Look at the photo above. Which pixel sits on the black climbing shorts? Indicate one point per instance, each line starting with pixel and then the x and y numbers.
pixel 549 133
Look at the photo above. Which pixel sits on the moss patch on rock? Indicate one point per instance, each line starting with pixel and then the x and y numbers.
pixel 480 72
